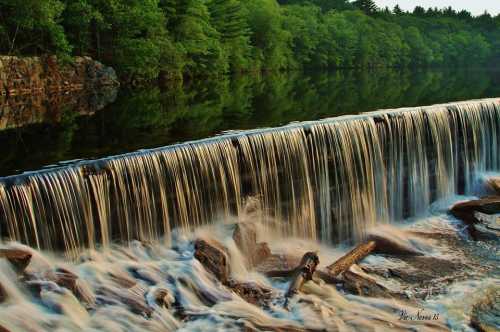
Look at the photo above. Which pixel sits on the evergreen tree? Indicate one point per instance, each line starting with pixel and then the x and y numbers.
pixel 397 10
pixel 367 6
pixel 228 18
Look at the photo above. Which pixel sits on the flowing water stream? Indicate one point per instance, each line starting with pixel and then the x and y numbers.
pixel 318 184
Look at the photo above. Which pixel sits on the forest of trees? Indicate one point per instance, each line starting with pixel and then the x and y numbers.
pixel 147 39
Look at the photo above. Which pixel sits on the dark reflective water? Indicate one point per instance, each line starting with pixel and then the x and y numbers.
pixel 154 117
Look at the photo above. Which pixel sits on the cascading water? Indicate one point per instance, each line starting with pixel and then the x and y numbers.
pixel 326 180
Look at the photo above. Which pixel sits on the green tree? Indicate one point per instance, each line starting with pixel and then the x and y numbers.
pixel 229 19
pixel 32 27
pixel 367 6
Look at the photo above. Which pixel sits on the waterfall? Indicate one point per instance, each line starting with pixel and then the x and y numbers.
pixel 327 180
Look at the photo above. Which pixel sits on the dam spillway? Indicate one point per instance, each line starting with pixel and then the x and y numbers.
pixel 328 180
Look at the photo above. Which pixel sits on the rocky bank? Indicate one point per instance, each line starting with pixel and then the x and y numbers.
pixel 36 89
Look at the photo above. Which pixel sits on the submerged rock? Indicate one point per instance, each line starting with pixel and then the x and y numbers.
pixel 80 288
pixel 252 292
pixel 485 316
pixel 214 257
pixel 356 281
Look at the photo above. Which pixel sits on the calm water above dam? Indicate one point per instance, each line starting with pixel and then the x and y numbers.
pixel 156 117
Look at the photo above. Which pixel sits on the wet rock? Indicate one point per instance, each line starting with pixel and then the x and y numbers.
pixel 3 294
pixel 77 286
pixel 252 292
pixel 278 262
pixel 204 295
pixel 494 185
pixel 466 211
pixel 356 281
pixel 485 316
pixel 162 297
pixel 245 237
pixel 134 298
pixel 19 259
pixel 214 257
pixel 424 270
pixel 478 215
pixel 391 246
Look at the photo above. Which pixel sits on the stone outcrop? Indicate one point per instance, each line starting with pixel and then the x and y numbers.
pixel 38 89
pixel 28 75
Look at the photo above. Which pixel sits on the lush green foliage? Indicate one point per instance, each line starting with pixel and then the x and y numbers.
pixel 145 39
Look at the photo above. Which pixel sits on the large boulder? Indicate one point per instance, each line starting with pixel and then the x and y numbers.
pixel 479 215
pixel 466 211
pixel 214 257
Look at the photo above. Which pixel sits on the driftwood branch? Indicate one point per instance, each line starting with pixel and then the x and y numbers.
pixel 352 257
pixel 303 273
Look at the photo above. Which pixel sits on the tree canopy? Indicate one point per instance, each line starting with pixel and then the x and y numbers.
pixel 145 39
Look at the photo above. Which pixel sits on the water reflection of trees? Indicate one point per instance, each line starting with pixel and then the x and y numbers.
pixel 159 116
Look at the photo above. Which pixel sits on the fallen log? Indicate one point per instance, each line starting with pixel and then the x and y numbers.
pixel 303 273
pixel 352 257
pixel 19 259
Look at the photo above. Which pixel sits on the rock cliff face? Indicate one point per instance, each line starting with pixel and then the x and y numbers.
pixel 37 89
pixel 28 75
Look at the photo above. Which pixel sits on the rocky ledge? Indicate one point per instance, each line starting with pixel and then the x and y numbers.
pixel 44 75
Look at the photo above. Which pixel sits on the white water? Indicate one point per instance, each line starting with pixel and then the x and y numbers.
pixel 328 180
pixel 316 184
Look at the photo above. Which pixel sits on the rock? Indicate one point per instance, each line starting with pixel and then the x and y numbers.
pixel 252 292
pixel 466 211
pixel 77 286
pixel 494 185
pixel 3 294
pixel 245 237
pixel 485 316
pixel 214 257
pixel 358 282
pixel 3 329
pixel 18 258
pixel 162 297
pixel 477 215
pixel 391 246
pixel 260 253
pixel 278 262
pixel 134 298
